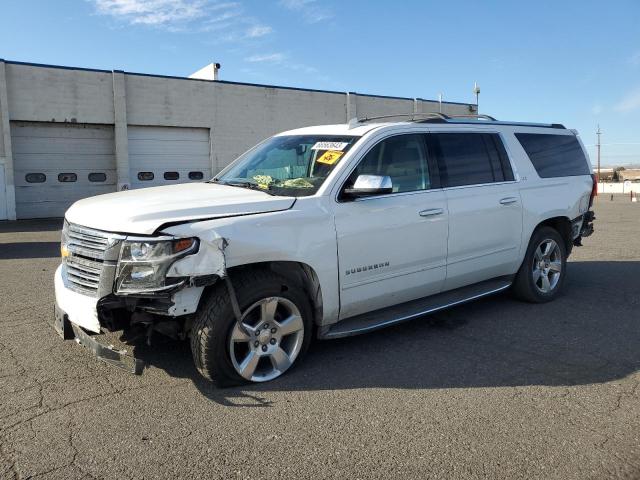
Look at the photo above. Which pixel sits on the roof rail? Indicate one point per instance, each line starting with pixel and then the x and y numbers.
pixel 436 117
pixel 425 115
pixel 479 116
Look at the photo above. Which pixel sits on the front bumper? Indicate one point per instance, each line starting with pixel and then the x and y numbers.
pixel 107 353
pixel 76 317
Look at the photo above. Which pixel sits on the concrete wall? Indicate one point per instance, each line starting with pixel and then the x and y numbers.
pixel 237 115
pixel 605 188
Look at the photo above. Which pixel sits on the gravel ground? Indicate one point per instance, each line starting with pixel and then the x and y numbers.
pixel 494 389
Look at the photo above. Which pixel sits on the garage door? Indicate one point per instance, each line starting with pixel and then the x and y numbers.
pixel 3 195
pixel 56 164
pixel 166 155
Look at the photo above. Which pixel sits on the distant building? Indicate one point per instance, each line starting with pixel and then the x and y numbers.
pixel 632 175
pixel 606 174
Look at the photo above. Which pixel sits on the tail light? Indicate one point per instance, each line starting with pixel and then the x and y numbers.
pixel 594 189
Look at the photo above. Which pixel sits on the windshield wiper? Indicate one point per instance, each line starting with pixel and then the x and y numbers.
pixel 244 184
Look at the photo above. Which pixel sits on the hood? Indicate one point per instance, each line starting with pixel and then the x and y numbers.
pixel 143 211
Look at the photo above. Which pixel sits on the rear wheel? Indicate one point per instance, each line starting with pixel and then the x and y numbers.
pixel 541 275
pixel 275 331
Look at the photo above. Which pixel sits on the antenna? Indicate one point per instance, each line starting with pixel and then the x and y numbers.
pixel 476 91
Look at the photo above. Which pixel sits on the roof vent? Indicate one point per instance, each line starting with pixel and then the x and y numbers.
pixel 210 72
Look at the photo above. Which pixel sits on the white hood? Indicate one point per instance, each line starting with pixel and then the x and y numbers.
pixel 143 211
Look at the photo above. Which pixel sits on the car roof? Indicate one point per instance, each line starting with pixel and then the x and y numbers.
pixel 358 128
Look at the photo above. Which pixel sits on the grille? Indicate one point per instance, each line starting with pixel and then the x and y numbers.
pixel 87 242
pixel 90 265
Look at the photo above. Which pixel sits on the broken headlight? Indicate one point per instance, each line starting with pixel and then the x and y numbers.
pixel 143 264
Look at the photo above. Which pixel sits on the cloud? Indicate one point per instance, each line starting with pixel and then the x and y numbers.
pixel 258 31
pixel 268 57
pixel 283 61
pixel 634 60
pixel 630 102
pixel 597 109
pixel 310 10
pixel 193 16
pixel 153 12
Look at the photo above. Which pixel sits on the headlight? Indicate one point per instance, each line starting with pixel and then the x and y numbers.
pixel 143 264
pixel 64 241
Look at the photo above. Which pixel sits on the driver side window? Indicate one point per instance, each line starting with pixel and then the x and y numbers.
pixel 403 158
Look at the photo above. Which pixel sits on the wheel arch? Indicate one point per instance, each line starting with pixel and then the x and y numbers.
pixel 299 273
pixel 562 225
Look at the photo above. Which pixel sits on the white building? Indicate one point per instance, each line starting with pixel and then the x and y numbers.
pixel 68 133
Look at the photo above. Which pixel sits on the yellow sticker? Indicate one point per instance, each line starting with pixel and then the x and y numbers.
pixel 330 157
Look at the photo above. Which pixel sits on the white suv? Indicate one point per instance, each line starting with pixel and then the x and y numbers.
pixel 335 230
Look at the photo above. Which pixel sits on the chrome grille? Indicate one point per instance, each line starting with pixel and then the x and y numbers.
pixel 90 265
pixel 84 274
pixel 87 242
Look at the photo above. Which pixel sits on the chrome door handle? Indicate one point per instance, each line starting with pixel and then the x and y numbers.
pixel 431 212
pixel 508 200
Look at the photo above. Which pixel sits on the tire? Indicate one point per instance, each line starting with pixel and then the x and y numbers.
pixel 540 264
pixel 221 350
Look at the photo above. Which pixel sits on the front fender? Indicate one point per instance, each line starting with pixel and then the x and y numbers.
pixel 304 234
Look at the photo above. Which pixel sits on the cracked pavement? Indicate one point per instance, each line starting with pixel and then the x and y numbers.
pixel 494 389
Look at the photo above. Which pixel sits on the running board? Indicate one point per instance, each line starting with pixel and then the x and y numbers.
pixel 385 317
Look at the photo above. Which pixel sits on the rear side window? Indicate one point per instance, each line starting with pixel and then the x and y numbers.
pixel 554 155
pixel 471 158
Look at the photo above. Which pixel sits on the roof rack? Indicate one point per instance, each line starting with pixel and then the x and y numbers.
pixel 429 115
pixel 479 116
pixel 436 117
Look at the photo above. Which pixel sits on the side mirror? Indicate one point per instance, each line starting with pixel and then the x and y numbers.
pixel 369 185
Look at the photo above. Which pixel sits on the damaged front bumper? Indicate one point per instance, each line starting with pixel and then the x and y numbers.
pixel 107 353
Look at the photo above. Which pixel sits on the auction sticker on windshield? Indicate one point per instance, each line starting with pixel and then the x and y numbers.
pixel 329 146
pixel 330 157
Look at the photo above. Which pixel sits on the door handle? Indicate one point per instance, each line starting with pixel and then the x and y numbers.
pixel 508 200
pixel 431 212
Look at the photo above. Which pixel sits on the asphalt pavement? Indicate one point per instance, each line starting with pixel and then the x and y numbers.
pixel 493 389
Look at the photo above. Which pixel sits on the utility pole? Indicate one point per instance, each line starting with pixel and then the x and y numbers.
pixel 476 90
pixel 598 133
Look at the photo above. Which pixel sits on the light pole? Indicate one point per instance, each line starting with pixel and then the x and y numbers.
pixel 476 91
pixel 598 133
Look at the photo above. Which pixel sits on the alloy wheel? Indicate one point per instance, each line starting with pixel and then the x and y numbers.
pixel 547 266
pixel 269 341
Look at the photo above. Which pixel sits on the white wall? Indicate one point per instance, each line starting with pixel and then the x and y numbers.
pixel 620 187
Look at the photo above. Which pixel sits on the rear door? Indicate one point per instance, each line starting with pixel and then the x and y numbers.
pixel 485 210
pixel 392 248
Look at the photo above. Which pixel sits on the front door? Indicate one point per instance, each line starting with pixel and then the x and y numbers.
pixel 392 248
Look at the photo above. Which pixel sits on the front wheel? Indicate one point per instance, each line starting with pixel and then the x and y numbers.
pixel 275 331
pixel 541 275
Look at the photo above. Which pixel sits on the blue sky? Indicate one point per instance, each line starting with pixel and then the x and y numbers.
pixel 575 62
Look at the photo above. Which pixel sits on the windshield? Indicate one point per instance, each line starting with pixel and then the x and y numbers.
pixel 294 165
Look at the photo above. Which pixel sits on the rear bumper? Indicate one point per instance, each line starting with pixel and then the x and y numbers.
pixel 107 353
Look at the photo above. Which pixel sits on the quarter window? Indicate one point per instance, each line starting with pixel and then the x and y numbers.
pixel 402 157
pixel 471 158
pixel 554 155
